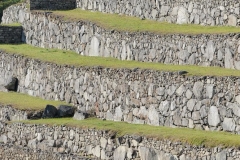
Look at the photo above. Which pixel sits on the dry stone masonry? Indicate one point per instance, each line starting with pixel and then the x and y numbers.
pixel 43 29
pixel 135 96
pixel 10 34
pixel 204 12
pixel 132 95
pixel 65 141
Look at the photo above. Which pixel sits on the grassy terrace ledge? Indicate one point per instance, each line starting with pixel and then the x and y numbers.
pixel 25 102
pixel 133 24
pixel 63 57
pixel 185 135
pixel 11 25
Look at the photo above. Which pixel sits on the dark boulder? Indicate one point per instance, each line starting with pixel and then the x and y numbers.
pixel 65 111
pixel 50 112
pixel 12 84
pixel 182 72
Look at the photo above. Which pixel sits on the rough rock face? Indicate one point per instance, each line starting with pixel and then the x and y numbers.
pixel 8 113
pixel 132 95
pixel 10 34
pixel 86 38
pixel 207 12
pixel 52 4
pixel 68 142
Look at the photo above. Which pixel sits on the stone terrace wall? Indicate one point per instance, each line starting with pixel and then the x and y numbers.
pixel 103 144
pixel 52 4
pixel 135 96
pixel 9 113
pixel 10 34
pixel 9 151
pixel 204 12
pixel 46 30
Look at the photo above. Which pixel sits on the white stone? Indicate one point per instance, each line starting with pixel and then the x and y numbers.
pixel 103 142
pixel 213 116
pixel 94 47
pixel 232 20
pixel 118 114
pixel 228 124
pixel 183 16
pixel 209 90
pixel 153 116
pixel 120 153
pixel 237 98
pixel 228 63
pixel 210 50
pixel 197 89
pixel 180 90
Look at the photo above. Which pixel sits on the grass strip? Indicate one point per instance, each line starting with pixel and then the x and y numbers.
pixel 134 24
pixel 11 25
pixel 185 135
pixel 63 57
pixel 25 102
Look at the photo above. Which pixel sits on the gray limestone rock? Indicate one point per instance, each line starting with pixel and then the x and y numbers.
pixel 213 116
pixel 147 153
pixel 171 90
pixel 164 108
pixel 118 114
pixel 189 94
pixel 32 143
pixel 197 89
pixel 190 104
pixel 196 116
pixel 39 137
pixel 183 16
pixel 109 115
pixel 78 115
pixel 120 153
pixel 160 91
pixel 228 124
pixel 51 143
pixel 228 62
pixel 164 10
pixel 237 98
pixel 209 90
pixel 180 90
pixel 235 108
pixel 94 47
pixel 97 151
pixel 221 155
pixel 232 20
pixel 103 142
pixel 3 139
pixel 153 116
pixel 210 50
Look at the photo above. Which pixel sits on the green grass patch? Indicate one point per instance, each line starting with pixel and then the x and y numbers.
pixel 71 58
pixel 134 24
pixel 185 135
pixel 25 102
pixel 11 25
